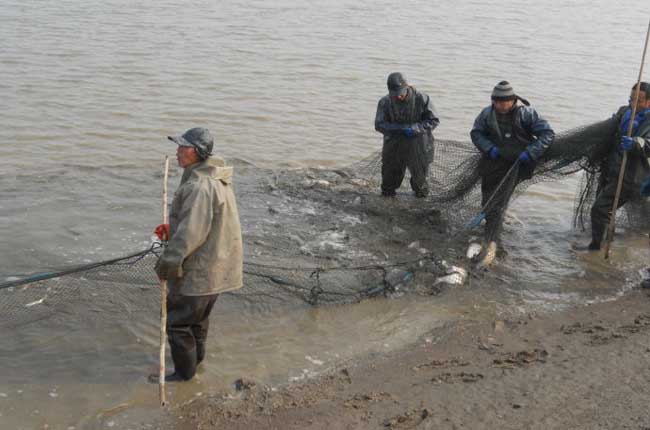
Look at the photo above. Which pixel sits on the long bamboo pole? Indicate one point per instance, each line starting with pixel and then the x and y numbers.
pixel 163 299
pixel 611 227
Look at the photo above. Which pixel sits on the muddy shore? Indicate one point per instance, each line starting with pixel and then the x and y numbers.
pixel 583 368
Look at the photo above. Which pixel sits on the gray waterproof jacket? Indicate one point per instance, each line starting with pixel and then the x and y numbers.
pixel 636 167
pixel 417 112
pixel 530 130
pixel 204 253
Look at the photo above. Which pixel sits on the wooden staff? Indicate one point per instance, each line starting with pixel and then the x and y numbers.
pixel 612 215
pixel 163 299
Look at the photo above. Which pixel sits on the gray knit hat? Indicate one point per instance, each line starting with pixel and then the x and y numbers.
pixel 503 91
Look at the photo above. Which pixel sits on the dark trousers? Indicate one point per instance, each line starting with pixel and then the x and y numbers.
pixel 602 207
pixel 396 157
pixel 497 193
pixel 188 319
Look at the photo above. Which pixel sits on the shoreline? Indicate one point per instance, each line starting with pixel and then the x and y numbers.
pixel 586 367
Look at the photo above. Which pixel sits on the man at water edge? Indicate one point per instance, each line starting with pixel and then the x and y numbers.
pixel 636 168
pixel 645 192
pixel 406 118
pixel 506 132
pixel 203 257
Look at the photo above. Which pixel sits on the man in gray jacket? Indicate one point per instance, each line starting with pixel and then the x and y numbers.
pixel 512 137
pixel 406 118
pixel 203 256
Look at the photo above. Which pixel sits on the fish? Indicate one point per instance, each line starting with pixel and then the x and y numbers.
pixel 473 250
pixel 37 302
pixel 454 276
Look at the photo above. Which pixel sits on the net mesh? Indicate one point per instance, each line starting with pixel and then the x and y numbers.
pixel 131 284
pixel 456 174
pixel 454 180
pixel 46 294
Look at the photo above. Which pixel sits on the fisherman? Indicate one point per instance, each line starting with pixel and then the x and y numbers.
pixel 645 192
pixel 637 169
pixel 406 118
pixel 512 137
pixel 203 257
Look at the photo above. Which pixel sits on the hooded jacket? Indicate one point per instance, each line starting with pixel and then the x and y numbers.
pixel 416 112
pixel 637 167
pixel 531 131
pixel 204 254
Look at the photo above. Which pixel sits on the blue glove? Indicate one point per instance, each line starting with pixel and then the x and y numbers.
pixel 493 153
pixel 524 157
pixel 627 143
pixel 409 132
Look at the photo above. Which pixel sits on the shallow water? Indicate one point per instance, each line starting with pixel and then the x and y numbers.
pixel 90 90
pixel 94 374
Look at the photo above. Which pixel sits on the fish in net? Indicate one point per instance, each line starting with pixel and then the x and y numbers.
pixel 457 169
pixel 128 286
pixel 455 184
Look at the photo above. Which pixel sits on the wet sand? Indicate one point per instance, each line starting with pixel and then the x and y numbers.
pixel 581 367
pixel 478 355
pixel 587 367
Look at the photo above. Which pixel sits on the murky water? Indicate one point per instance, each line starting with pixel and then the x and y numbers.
pixel 91 89
pixel 79 380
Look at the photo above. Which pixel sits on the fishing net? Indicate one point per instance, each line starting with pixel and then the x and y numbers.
pixel 128 281
pixel 469 188
pixel 302 276
pixel 128 286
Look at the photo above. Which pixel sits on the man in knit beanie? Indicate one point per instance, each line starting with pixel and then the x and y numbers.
pixel 512 136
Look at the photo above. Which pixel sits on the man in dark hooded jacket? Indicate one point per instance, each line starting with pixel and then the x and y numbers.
pixel 506 132
pixel 406 118
pixel 637 169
